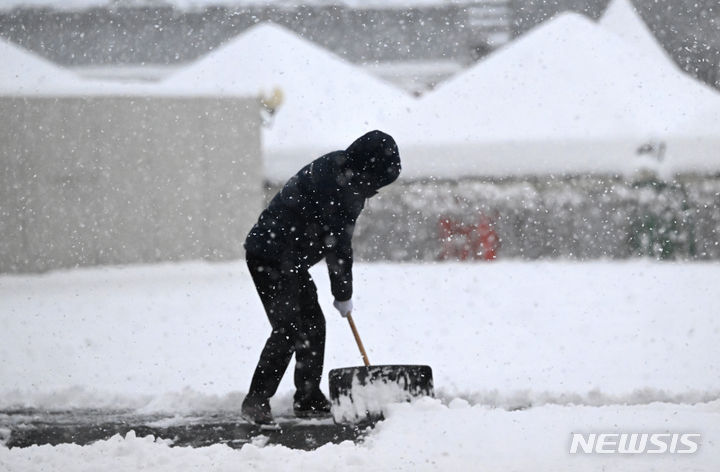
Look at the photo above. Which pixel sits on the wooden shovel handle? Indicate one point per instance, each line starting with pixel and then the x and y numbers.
pixel 358 340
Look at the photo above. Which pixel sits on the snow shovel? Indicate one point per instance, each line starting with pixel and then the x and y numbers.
pixel 358 394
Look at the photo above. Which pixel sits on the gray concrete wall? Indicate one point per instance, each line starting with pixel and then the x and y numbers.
pixel 116 180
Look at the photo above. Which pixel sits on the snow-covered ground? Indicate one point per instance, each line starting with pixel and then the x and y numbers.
pixel 580 347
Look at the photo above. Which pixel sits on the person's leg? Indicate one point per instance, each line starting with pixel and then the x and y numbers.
pixel 278 290
pixel 310 341
pixel 309 401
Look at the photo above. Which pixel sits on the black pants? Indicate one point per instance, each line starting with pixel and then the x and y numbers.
pixel 290 299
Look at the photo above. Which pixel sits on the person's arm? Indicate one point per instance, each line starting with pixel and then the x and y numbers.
pixel 339 259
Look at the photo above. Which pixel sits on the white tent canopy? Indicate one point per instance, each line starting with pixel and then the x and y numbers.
pixel 695 141
pixel 25 73
pixel 567 97
pixel 570 78
pixel 622 18
pixel 327 101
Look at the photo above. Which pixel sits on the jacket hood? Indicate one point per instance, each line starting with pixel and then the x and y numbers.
pixel 373 162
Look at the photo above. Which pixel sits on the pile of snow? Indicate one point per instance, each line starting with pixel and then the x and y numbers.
pixel 328 102
pixel 368 399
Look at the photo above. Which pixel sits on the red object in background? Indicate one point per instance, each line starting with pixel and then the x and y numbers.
pixel 468 242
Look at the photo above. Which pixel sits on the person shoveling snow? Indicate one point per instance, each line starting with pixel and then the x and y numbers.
pixel 311 218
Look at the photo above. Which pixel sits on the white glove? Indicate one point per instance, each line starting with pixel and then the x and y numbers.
pixel 343 307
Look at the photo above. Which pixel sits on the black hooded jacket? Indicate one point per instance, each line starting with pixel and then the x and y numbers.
pixel 314 214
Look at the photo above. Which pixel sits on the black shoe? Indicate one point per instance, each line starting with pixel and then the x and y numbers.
pixel 257 410
pixel 312 405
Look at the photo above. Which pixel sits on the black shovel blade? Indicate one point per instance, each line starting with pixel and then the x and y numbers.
pixel 359 393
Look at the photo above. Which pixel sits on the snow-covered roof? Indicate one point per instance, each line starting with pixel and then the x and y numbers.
pixel 26 73
pixel 568 78
pixel 568 81
pixel 327 102
pixel 622 18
